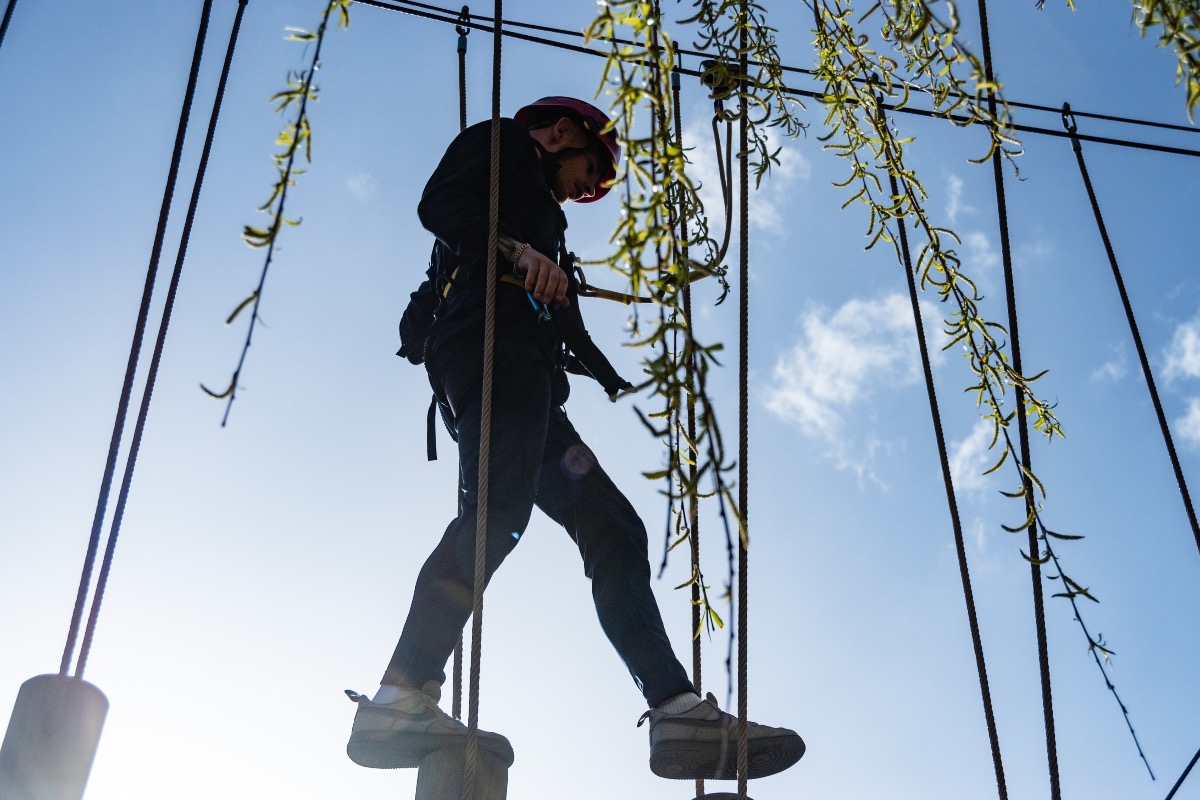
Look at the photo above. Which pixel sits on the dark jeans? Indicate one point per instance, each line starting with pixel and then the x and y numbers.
pixel 537 458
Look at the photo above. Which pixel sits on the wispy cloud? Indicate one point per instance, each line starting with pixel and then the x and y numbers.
pixel 1112 370
pixel 970 457
pixel 362 186
pixel 1188 425
pixel 767 203
pixel 830 374
pixel 954 199
pixel 1183 353
pixel 980 255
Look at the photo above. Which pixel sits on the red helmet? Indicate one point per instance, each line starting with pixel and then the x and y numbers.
pixel 594 121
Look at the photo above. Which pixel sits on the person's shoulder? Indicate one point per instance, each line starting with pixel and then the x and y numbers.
pixel 510 130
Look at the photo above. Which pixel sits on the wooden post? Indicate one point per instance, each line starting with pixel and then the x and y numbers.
pixel 440 776
pixel 51 739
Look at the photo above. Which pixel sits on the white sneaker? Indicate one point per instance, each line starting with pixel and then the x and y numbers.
pixel 400 734
pixel 702 743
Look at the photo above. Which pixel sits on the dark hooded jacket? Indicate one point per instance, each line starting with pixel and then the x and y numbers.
pixel 454 208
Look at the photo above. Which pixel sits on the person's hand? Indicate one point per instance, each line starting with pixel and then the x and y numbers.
pixel 544 279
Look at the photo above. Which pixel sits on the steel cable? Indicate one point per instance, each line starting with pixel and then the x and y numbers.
pixel 160 342
pixel 951 498
pixel 1023 429
pixel 1133 327
pixel 131 366
pixel 743 744
pixel 462 30
pixel 8 12
pixel 485 423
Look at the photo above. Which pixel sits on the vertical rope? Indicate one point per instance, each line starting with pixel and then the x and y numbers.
pixel 743 747
pixel 135 348
pixel 1133 327
pixel 462 30
pixel 947 479
pixel 159 344
pixel 690 379
pixel 485 423
pixel 1023 428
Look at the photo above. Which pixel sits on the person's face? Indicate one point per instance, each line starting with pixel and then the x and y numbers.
pixel 578 176
pixel 580 170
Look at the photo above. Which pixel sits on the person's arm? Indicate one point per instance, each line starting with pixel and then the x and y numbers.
pixel 544 278
pixel 454 204
pixel 589 360
pixel 454 207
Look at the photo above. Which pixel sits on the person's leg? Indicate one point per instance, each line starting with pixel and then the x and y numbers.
pixel 689 737
pixel 575 492
pixel 444 593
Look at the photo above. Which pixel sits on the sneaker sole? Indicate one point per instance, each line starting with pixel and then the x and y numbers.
pixel 689 760
pixel 388 750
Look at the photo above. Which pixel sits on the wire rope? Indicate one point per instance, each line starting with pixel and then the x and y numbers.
pixel 952 502
pixel 462 30
pixel 1186 770
pixel 743 740
pixel 440 14
pixel 1023 429
pixel 485 423
pixel 693 510
pixel 1070 124
pixel 131 365
pixel 8 12
pixel 156 358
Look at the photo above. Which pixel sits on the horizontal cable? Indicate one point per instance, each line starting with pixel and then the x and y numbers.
pixel 479 22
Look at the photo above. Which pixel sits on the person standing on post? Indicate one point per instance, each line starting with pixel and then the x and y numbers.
pixel 556 150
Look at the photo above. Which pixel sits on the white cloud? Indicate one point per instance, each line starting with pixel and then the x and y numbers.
pixel 767 203
pixel 1188 426
pixel 831 373
pixel 362 186
pixel 970 457
pixel 978 533
pixel 954 201
pixel 1183 354
pixel 980 255
pixel 1112 370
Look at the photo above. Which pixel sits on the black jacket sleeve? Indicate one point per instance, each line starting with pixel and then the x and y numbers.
pixel 588 360
pixel 454 205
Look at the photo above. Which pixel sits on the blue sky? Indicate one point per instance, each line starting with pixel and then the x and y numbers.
pixel 267 566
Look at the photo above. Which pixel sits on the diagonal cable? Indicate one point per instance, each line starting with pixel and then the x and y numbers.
pixel 89 561
pixel 1070 125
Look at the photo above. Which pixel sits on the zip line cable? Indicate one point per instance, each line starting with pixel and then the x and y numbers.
pixel 1023 429
pixel 1070 124
pixel 440 14
pixel 131 367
